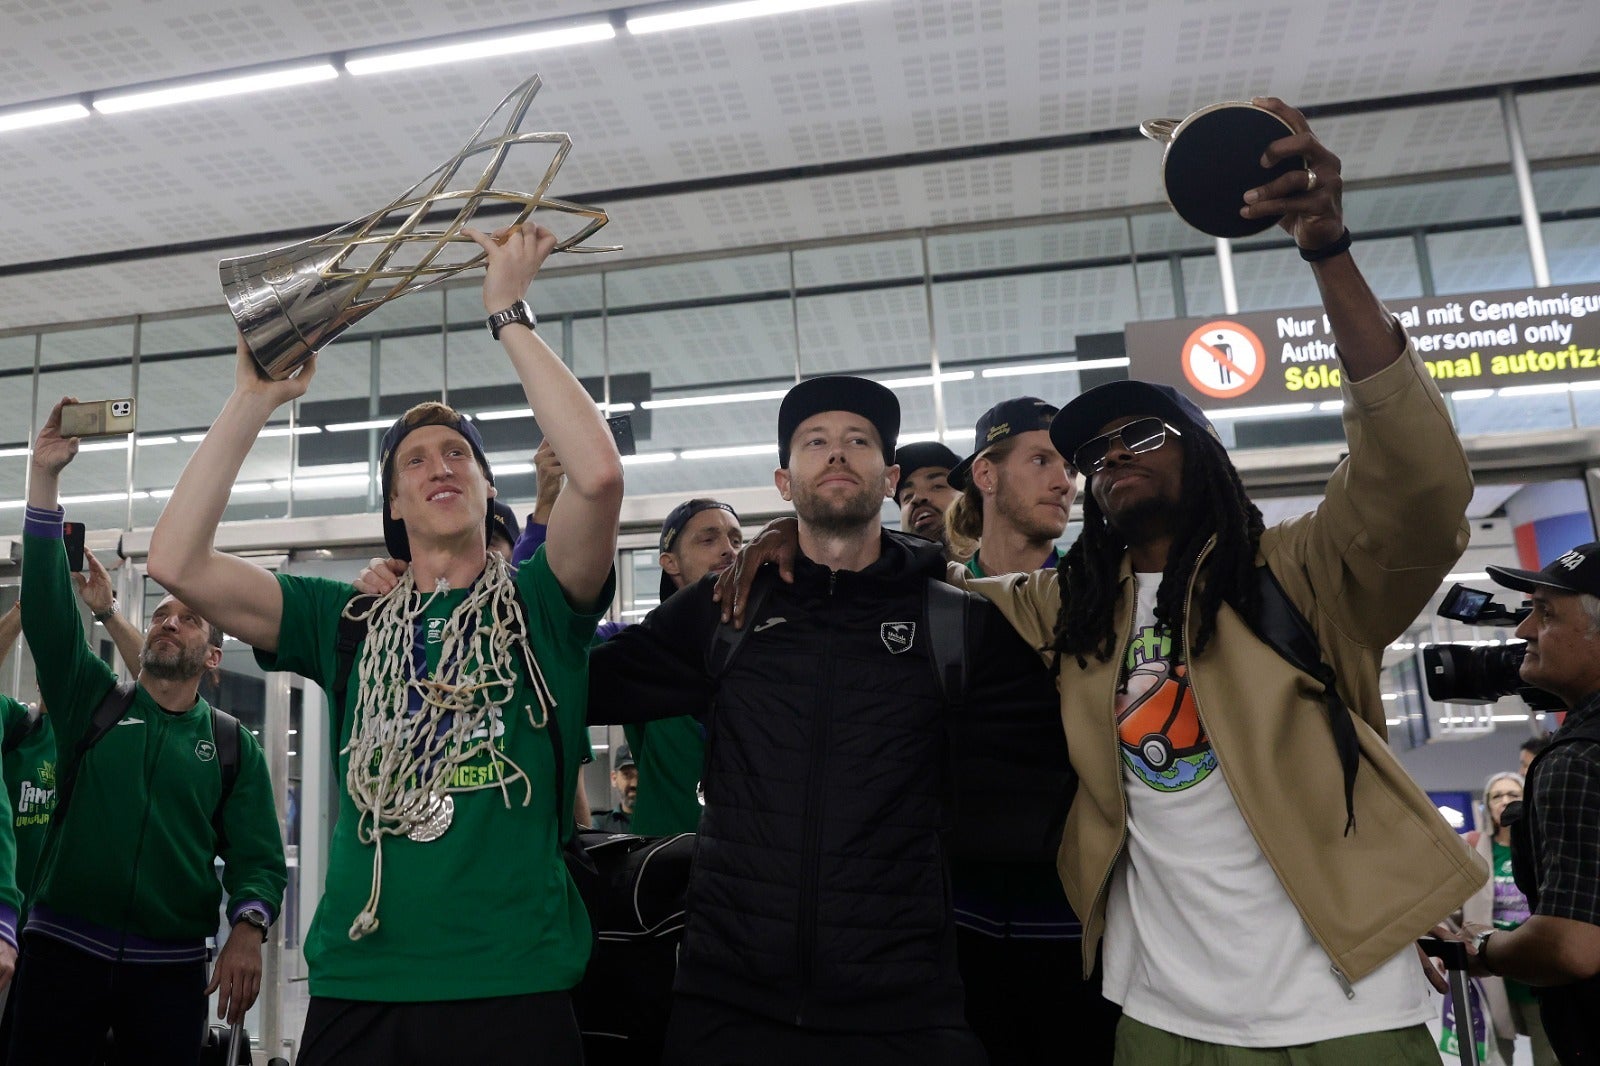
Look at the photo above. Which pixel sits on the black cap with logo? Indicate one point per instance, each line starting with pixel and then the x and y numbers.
pixel 1004 420
pixel 502 522
pixel 1577 571
pixel 860 396
pixel 920 456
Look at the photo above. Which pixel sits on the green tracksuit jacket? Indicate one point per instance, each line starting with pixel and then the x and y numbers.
pixel 133 853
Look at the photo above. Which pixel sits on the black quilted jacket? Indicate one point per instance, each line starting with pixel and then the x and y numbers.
pixel 820 894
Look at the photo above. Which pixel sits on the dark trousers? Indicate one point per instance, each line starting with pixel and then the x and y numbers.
pixel 504 1030
pixel 65 999
pixel 703 1032
pixel 1024 994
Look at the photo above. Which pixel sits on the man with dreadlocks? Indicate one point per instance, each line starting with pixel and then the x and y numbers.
pixel 1255 859
pixel 449 929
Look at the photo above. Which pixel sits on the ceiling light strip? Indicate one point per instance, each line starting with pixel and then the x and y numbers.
pixel 737 451
pixel 383 62
pixel 211 89
pixel 1064 366
pixel 716 398
pixel 26 118
pixel 711 14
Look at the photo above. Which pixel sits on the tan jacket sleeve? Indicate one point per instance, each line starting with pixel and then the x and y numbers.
pixel 1393 520
pixel 1030 602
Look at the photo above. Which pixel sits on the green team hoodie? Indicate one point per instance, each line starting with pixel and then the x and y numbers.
pixel 10 896
pixel 134 853
pixel 30 774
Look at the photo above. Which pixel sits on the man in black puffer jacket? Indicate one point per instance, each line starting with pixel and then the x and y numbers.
pixel 819 924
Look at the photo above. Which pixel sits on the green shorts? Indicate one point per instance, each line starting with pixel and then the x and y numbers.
pixel 1139 1044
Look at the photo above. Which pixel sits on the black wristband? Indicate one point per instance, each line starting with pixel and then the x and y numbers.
pixel 1327 251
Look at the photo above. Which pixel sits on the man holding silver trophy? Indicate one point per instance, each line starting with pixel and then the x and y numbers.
pixel 449 928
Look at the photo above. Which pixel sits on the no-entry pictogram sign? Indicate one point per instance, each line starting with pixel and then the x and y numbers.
pixel 1223 359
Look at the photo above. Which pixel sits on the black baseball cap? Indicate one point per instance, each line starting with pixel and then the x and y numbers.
pixel 1079 422
pixel 394 530
pixel 502 521
pixel 913 457
pixel 624 758
pixel 1577 571
pixel 677 518
pixel 859 396
pixel 1004 420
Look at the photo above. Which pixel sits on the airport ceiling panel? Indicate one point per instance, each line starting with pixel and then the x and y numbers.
pixel 705 345
pixel 828 86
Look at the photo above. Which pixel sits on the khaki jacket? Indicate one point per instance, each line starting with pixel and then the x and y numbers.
pixel 1360 568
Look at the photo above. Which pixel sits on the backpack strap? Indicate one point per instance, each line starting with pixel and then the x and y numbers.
pixel 105 718
pixel 944 611
pixel 1286 630
pixel 21 730
pixel 725 639
pixel 225 733
pixel 351 632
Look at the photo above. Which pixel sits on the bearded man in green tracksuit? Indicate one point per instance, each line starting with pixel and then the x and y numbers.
pixel 126 891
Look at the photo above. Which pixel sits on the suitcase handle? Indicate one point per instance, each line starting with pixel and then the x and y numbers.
pixel 1453 953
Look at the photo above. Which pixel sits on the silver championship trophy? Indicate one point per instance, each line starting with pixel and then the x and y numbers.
pixel 289 302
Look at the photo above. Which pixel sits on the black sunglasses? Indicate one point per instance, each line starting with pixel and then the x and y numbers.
pixel 1140 435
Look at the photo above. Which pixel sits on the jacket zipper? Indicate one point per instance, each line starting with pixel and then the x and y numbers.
pixel 1100 901
pixel 161 724
pixel 1194 690
pixel 811 850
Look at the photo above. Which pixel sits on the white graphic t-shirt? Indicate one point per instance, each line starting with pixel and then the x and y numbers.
pixel 1201 940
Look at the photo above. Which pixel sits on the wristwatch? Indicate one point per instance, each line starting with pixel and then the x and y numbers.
pixel 1480 948
pixel 256 919
pixel 101 616
pixel 517 312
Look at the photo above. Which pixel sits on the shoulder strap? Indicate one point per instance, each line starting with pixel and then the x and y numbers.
pixel 1286 630
pixel 352 631
pixel 102 721
pixel 21 730
pixel 725 639
pixel 225 733
pixel 945 612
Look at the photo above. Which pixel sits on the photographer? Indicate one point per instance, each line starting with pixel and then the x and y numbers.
pixel 1556 841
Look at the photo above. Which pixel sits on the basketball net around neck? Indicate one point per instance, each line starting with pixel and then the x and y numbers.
pixel 404 758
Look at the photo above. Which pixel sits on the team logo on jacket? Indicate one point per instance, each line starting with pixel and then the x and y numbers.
pixel 898 636
pixel 205 751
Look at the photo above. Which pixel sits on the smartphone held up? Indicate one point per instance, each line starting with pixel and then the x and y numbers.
pixel 98 418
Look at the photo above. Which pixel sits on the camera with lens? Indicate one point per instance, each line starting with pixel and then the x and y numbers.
pixel 1463 673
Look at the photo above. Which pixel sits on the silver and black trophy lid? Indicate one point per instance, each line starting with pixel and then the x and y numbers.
pixel 1213 158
